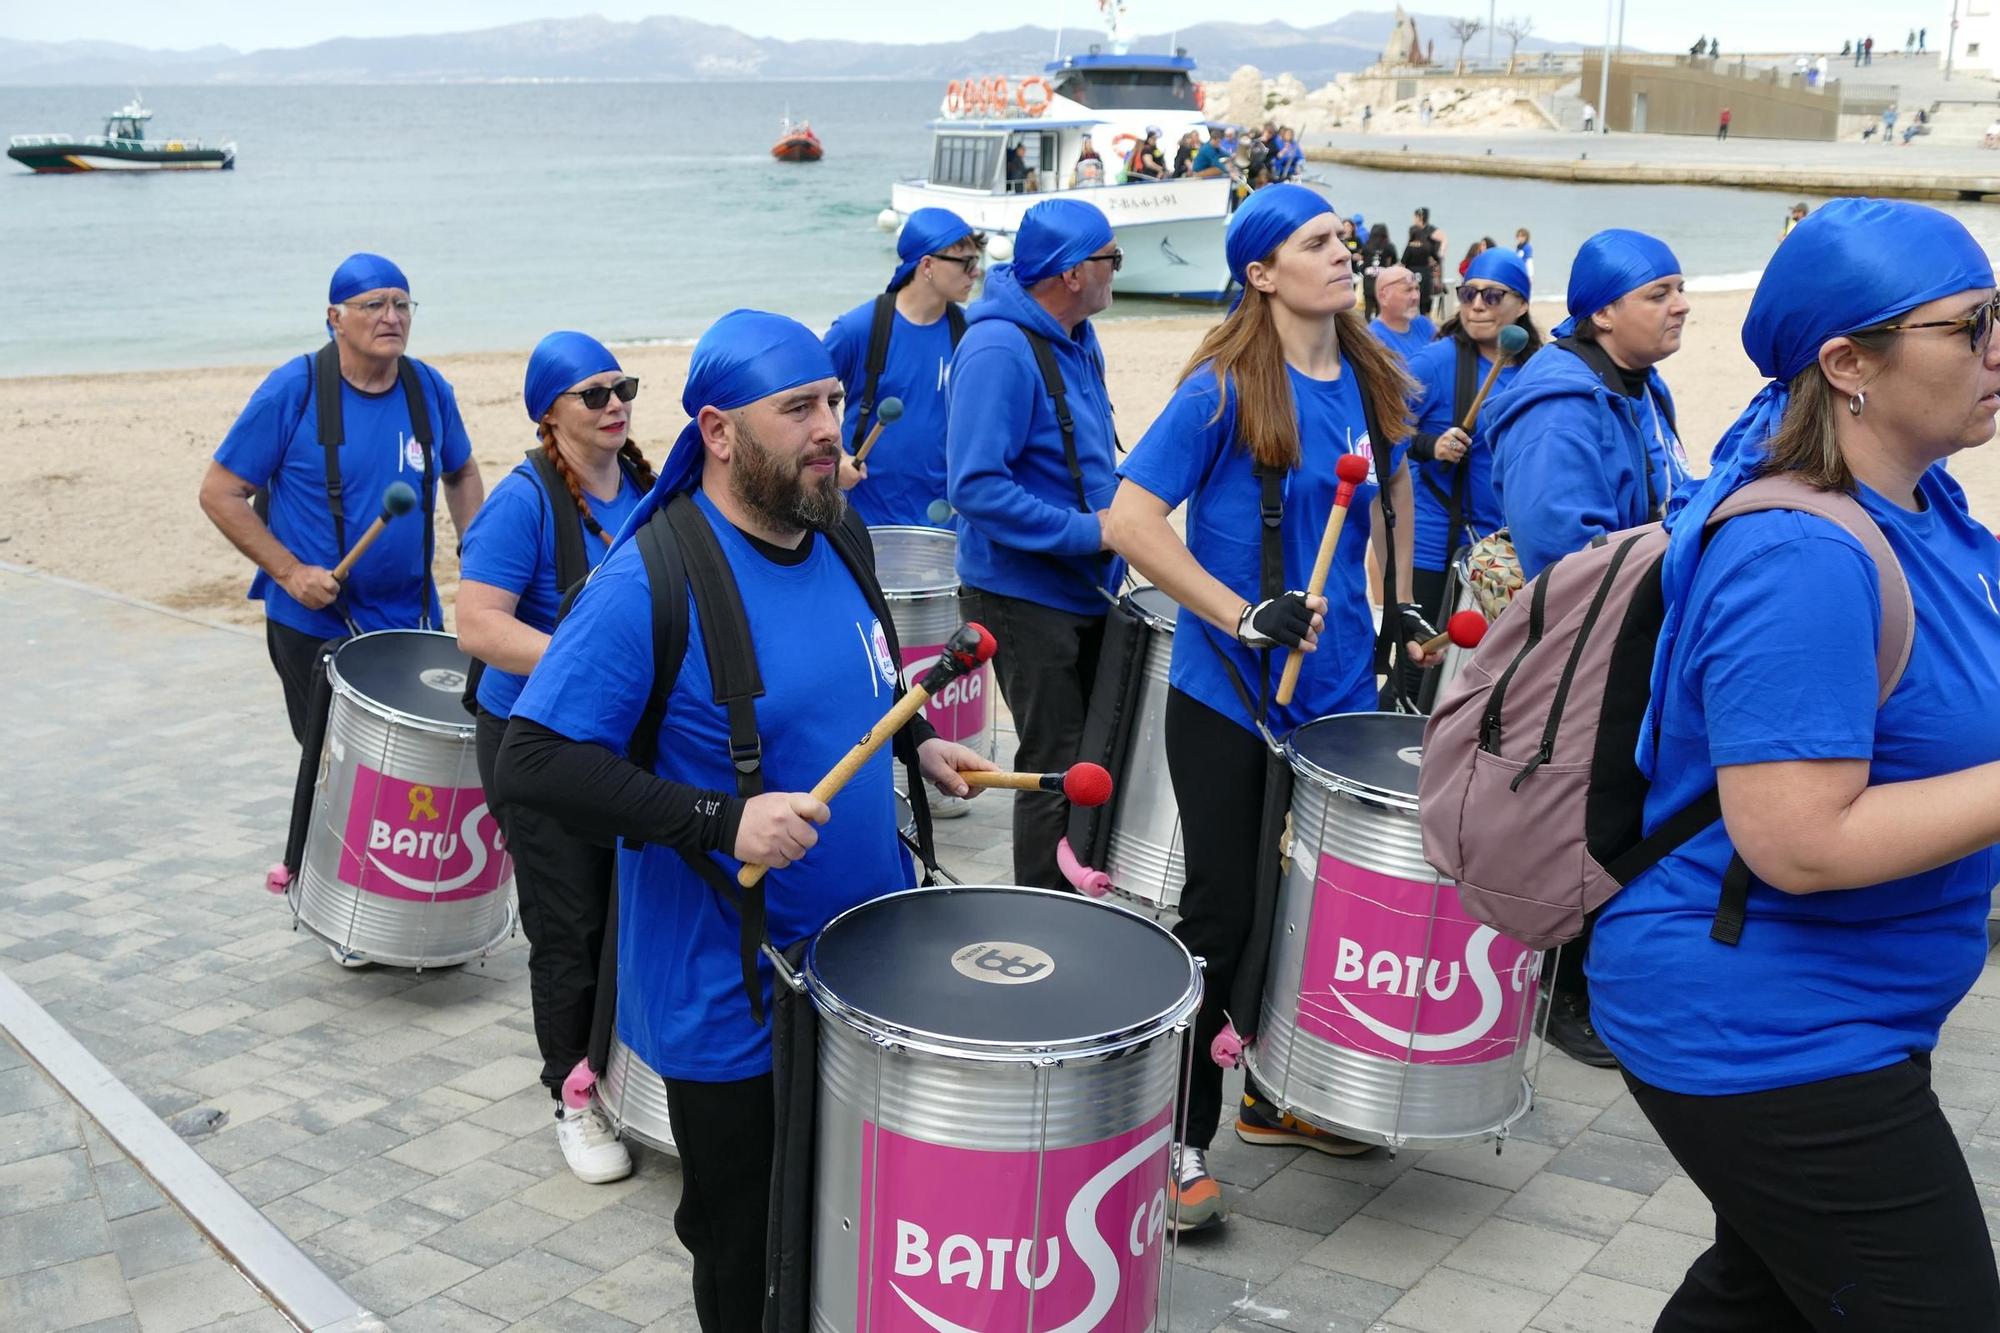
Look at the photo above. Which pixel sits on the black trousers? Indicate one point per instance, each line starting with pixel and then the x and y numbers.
pixel 1218 769
pixel 1046 663
pixel 295 656
pixel 1844 1204
pixel 724 1133
pixel 564 884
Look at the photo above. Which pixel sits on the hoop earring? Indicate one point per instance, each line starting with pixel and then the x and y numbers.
pixel 1856 401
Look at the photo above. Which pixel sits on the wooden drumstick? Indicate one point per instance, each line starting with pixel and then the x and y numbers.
pixel 1081 784
pixel 889 410
pixel 1465 629
pixel 397 500
pixel 970 644
pixel 1512 339
pixel 1352 469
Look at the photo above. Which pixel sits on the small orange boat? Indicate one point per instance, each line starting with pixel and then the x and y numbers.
pixel 797 143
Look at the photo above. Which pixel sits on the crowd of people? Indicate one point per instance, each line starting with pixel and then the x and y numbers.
pixel 1787 1072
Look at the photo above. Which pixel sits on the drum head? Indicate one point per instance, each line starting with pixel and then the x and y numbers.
pixel 1369 754
pixel 1155 606
pixel 419 673
pixel 1007 967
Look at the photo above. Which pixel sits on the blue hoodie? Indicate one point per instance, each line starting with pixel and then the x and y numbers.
pixel 1568 450
pixel 1435 369
pixel 1022 533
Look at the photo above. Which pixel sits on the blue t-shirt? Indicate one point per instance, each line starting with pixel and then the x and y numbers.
pixel 1406 345
pixel 512 545
pixel 906 466
pixel 1208 155
pixel 681 1005
pixel 275 443
pixel 1183 457
pixel 1776 661
pixel 1435 370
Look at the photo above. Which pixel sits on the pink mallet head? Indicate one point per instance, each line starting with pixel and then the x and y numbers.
pixel 1466 628
pixel 1087 784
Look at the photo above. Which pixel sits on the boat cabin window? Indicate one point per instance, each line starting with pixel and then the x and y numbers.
pixel 971 161
pixel 1127 89
pixel 1038 156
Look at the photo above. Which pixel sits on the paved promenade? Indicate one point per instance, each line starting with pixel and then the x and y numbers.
pixel 392 1123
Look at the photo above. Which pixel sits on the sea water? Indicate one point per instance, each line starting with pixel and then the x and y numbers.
pixel 635 211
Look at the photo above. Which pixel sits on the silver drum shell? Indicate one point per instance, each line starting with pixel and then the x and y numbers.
pixel 635 1098
pixel 1144 858
pixel 918 570
pixel 1360 1095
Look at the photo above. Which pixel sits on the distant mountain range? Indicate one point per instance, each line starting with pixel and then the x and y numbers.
pixel 668 49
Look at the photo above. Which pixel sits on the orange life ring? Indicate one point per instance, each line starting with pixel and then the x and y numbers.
pixel 1040 105
pixel 998 94
pixel 954 99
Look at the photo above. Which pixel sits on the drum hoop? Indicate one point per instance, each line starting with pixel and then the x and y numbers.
pixel 1340 784
pixel 921 591
pixel 946 1046
pixel 342 686
pixel 1153 620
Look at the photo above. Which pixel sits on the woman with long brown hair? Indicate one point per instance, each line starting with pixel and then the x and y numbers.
pixel 1286 386
pixel 546 525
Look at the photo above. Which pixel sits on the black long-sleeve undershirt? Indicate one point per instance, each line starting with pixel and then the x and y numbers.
pixel 599 793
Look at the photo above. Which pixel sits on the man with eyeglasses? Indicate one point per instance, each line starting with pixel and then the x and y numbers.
pixel 899 345
pixel 1031 456
pixel 1397 324
pixel 316 468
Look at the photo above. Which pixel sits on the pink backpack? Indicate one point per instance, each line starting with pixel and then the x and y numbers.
pixel 1529 794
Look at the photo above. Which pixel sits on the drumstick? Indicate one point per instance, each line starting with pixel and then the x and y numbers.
pixel 969 645
pixel 888 411
pixel 1081 784
pixel 398 499
pixel 1352 469
pixel 1512 339
pixel 1465 629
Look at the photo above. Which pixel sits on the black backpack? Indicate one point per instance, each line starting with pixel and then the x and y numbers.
pixel 881 324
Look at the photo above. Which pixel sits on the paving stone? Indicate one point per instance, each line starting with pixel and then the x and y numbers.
pixel 442 1314
pixel 1592 1304
pixel 521 1285
pixel 611 1237
pixel 22 1089
pixel 1626 1164
pixel 642 1289
pixel 1679 1205
pixel 47 1237
pixel 1196 1299
pixel 1563 1079
pixel 43 1130
pixel 1436 1203
pixel 501 1078
pixel 498 1232
pixel 63 1297
pixel 447 1148
pixel 237 1148
pixel 475 1186
pixel 274 1178
pixel 350 1144
pixel 1246 1248
pixel 1624 1118
pixel 1447 1301
pixel 357 1189
pixel 1508 1169
pixel 1647 1256
pixel 395 1284
pixel 1310 1300
pixel 1378 1169
pixel 380 1232
pixel 1522 1255
pixel 151 1241
pixel 297 1218
pixel 196 1295
pixel 529 1111
pixel 122 1190
pixel 1303 1201
pixel 1576 1207
pixel 37 1182
pixel 569 1316
pixel 1381 1251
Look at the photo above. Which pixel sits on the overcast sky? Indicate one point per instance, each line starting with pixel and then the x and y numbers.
pixel 1777 25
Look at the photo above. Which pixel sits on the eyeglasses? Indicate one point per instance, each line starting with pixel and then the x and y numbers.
pixel 1487 296
pixel 401 305
pixel 970 263
pixel 597 395
pixel 1116 259
pixel 1978 325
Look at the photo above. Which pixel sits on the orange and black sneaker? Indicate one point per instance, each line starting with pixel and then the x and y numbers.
pixel 1197 1197
pixel 1271 1128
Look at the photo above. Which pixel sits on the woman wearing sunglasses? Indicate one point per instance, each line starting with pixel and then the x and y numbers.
pixel 1453 473
pixel 571 493
pixel 1789 1073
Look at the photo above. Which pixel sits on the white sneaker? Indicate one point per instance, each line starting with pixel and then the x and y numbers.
pixel 594 1154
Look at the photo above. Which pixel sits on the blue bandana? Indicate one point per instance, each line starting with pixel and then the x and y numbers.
pixel 1503 266
pixel 1793 314
pixel 363 273
pixel 745 356
pixel 1057 235
pixel 560 362
pixel 1609 265
pixel 927 231
pixel 1264 222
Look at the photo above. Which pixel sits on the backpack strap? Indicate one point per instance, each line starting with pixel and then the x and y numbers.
pixel 881 324
pixel 667 578
pixel 1052 380
pixel 1389 650
pixel 420 426
pixel 332 434
pixel 572 559
pixel 954 319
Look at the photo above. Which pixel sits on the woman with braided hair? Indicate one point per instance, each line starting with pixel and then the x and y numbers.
pixel 545 527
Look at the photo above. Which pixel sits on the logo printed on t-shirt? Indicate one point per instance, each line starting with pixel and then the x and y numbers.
pixel 885 666
pixel 1367 451
pixel 413 453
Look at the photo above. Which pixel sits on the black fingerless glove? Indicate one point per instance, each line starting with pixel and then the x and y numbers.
pixel 1282 622
pixel 1414 626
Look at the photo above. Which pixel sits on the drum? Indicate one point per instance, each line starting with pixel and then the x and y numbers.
pixel 1144 857
pixel 635 1099
pixel 1389 1015
pixel 997 1076
pixel 918 571
pixel 403 863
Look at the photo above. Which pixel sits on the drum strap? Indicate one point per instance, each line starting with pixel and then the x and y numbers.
pixel 882 323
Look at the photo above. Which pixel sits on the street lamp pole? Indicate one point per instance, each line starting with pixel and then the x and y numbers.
pixel 1489 32
pixel 1951 41
pixel 1604 76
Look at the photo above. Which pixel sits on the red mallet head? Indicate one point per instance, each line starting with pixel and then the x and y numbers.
pixel 1466 628
pixel 1086 784
pixel 1352 470
pixel 971 644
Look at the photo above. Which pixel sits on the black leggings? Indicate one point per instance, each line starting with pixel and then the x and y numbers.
pixel 724 1132
pixel 295 657
pixel 564 884
pixel 1839 1205
pixel 1217 769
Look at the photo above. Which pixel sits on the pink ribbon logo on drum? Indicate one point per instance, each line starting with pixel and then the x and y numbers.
pixel 1384 976
pixel 952 1240
pixel 959 710
pixel 416 842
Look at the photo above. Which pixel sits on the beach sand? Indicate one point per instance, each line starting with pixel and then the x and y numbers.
pixel 103 468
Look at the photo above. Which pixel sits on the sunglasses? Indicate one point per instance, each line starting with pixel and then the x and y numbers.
pixel 1116 259
pixel 970 263
pixel 597 395
pixel 373 309
pixel 1978 325
pixel 1487 296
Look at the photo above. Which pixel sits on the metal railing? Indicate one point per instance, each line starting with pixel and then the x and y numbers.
pixel 102 141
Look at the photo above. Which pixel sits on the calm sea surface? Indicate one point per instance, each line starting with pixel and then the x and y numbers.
pixel 633 211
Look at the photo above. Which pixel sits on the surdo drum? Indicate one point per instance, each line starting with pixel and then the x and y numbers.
pixel 403 863
pixel 1144 857
pixel 918 570
pixel 1389 1014
pixel 997 1079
